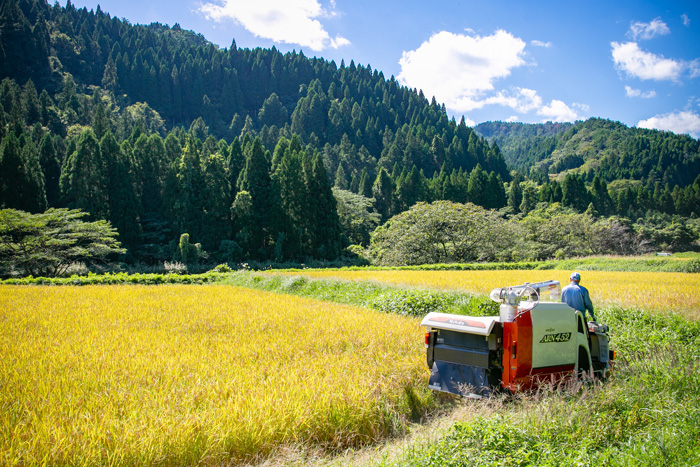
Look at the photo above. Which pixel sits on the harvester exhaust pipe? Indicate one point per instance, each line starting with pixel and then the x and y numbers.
pixel 510 297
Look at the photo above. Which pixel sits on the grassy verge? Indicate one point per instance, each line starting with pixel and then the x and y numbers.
pixel 680 262
pixel 121 278
pixel 382 297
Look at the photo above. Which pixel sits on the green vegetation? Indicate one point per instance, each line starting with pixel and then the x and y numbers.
pixel 442 232
pixel 121 278
pixel 688 263
pixel 163 134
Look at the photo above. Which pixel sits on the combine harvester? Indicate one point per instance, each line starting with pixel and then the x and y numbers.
pixel 531 342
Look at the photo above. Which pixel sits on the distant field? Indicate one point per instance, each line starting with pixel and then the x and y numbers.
pixel 184 375
pixel 658 291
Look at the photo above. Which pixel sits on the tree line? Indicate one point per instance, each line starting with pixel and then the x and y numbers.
pixel 447 232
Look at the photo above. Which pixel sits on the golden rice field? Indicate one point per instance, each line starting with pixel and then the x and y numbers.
pixel 658 291
pixel 189 375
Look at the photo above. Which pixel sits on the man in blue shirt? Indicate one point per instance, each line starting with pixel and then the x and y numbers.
pixel 577 296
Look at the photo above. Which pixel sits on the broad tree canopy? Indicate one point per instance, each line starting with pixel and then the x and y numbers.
pixel 46 244
pixel 443 232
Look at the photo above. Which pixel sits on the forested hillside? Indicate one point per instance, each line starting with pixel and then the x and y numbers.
pixel 608 149
pixel 159 131
pixel 193 151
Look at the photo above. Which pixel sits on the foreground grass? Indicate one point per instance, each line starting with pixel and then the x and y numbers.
pixel 185 375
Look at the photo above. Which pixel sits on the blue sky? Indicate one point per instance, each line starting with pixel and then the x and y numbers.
pixel 637 62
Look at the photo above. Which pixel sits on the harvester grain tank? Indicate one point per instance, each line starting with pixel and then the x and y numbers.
pixel 530 342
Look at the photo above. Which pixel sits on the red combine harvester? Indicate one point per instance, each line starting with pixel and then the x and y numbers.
pixel 532 341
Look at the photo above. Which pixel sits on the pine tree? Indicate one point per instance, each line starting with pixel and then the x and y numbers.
pixel 124 206
pixel 365 187
pixel 236 162
pixel 216 217
pixel 84 181
pixel 529 201
pixel 30 103
pixel 410 189
pixel 294 200
pixel 255 179
pixel 273 112
pixel 110 79
pixel 515 193
pixel 242 220
pixel 437 152
pixel 189 205
pixel 498 191
pixel 341 178
pixel 383 193
pixel 100 122
pixel 21 179
pixel 325 228
pixel 574 193
pixel 50 168
pixel 477 188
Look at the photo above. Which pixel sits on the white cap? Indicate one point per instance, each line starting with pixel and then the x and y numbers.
pixel 575 276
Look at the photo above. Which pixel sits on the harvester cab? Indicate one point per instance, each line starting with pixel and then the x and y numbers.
pixel 536 338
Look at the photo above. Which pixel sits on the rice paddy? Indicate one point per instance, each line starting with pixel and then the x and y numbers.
pixel 216 374
pixel 185 375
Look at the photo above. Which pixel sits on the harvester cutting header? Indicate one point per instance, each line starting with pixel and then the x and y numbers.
pixel 531 341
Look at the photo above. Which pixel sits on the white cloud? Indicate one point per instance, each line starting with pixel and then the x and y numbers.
pixel 656 27
pixel 558 111
pixel 537 43
pixel 678 122
pixel 581 107
pixel 694 68
pixel 460 70
pixel 631 92
pixel 468 121
pixel 289 21
pixel 686 20
pixel 512 118
pixel 628 57
pixel 524 100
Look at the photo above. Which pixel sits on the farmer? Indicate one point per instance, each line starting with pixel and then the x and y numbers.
pixel 577 296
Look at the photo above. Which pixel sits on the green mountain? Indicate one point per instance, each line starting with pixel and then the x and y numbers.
pixel 596 147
